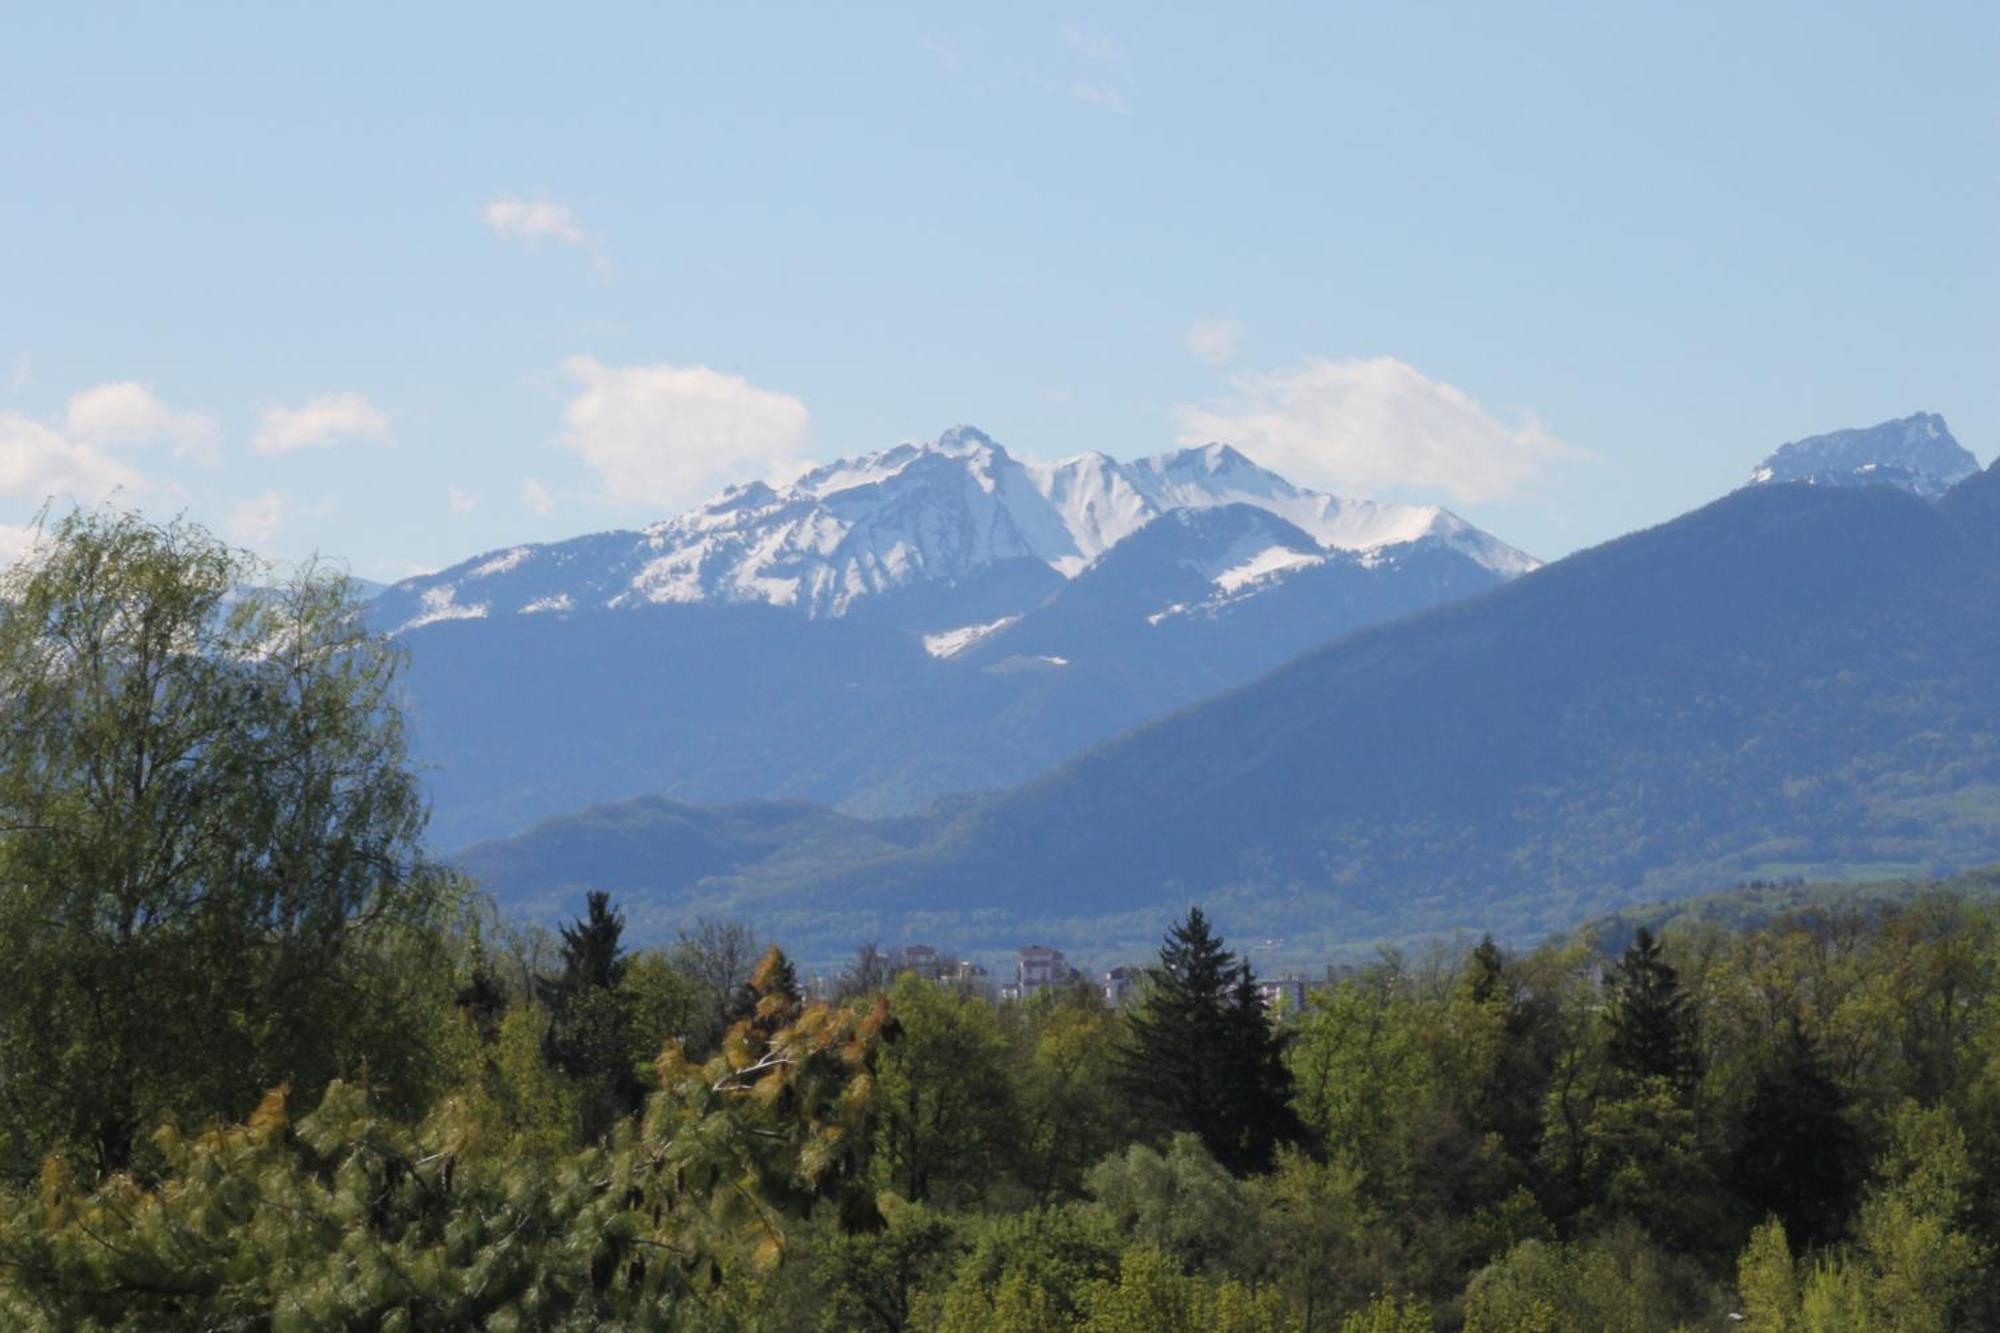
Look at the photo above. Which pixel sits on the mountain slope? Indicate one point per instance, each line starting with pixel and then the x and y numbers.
pixel 890 630
pixel 1793 680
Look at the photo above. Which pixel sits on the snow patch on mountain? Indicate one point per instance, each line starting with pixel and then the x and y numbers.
pixel 954 641
pixel 1263 565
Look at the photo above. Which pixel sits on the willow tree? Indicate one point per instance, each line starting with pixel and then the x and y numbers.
pixel 210 839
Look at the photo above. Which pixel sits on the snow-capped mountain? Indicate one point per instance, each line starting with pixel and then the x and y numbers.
pixel 876 533
pixel 1915 454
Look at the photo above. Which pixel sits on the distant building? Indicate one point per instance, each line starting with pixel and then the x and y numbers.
pixel 921 959
pixel 1285 994
pixel 1037 967
pixel 1120 983
pixel 967 977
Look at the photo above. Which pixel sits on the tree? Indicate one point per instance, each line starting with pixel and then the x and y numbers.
pixel 1201 1055
pixel 1182 1204
pixel 350 1219
pixel 1799 1158
pixel 209 837
pixel 947 1104
pixel 1652 1021
pixel 590 1026
pixel 718 957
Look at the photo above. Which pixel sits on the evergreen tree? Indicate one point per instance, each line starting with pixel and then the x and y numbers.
pixel 589 1035
pixel 1652 1022
pixel 1487 971
pixel 1202 1056
pixel 1799 1159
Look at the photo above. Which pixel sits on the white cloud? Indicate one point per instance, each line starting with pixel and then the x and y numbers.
pixel 38 463
pixel 1366 424
pixel 536 498
pixel 255 520
pixel 1214 340
pixel 515 219
pixel 126 414
pixel 323 419
pixel 1097 94
pixel 669 435
pixel 461 502
pixel 23 371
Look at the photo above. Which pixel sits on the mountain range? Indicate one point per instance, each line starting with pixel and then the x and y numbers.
pixel 1796 679
pixel 890 630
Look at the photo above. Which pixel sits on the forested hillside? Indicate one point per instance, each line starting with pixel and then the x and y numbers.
pixel 263 1066
pixel 1793 681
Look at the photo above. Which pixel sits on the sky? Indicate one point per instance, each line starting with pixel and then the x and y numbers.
pixel 402 284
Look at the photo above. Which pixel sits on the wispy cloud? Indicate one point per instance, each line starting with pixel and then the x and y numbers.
pixel 535 498
pixel 1214 340
pixel 1368 424
pixel 460 501
pixel 515 219
pixel 24 370
pixel 324 419
pixel 1099 95
pixel 665 436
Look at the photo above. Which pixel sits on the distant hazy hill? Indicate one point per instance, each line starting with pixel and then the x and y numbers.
pixel 1794 680
pixel 890 629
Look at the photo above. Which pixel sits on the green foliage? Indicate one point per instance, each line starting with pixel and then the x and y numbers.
pixel 947 1102
pixel 1617 1282
pixel 1181 1204
pixel 1389 1314
pixel 209 838
pixel 871 1279
pixel 350 1219
pixel 1062 1063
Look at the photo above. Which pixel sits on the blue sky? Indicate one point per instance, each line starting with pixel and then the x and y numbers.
pixel 405 283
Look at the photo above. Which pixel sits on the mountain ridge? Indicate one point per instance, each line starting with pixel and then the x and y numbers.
pixel 845 536
pixel 1792 679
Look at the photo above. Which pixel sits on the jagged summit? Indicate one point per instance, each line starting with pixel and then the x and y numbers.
pixel 954 512
pixel 1916 454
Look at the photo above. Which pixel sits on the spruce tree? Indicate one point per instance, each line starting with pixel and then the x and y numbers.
pixel 1652 1021
pixel 1201 1056
pixel 1799 1158
pixel 589 1035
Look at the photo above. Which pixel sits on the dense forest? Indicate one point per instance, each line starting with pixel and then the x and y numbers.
pixel 265 1065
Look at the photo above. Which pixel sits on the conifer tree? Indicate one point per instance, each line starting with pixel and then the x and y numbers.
pixel 1799 1159
pixel 1652 1021
pixel 1201 1055
pixel 588 1036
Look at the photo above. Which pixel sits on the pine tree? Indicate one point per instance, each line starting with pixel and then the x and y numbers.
pixel 1202 1057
